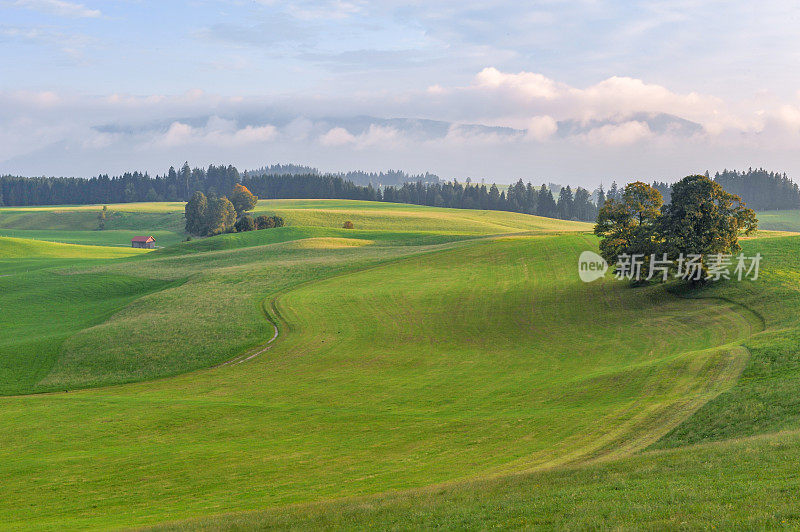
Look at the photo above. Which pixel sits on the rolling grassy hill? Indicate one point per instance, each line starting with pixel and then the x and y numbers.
pixel 780 220
pixel 433 366
pixel 77 224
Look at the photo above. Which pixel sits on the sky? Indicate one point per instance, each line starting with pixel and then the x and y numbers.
pixel 581 92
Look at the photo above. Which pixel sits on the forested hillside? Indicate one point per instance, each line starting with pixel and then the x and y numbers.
pixel 179 185
pixel 359 177
pixel 759 189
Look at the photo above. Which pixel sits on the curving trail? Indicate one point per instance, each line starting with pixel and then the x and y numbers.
pixel 248 355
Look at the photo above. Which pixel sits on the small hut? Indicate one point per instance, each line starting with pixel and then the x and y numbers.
pixel 146 242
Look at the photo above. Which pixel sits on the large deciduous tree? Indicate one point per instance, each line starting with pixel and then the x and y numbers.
pixel 704 219
pixel 626 225
pixel 242 199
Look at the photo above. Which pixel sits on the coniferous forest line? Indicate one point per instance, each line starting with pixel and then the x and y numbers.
pixel 760 190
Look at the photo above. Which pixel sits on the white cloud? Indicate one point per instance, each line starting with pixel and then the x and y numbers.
pixel 541 127
pixel 374 136
pixel 179 134
pixel 216 132
pixel 379 136
pixel 790 115
pixel 61 8
pixel 526 84
pixel 613 128
pixel 462 135
pixel 619 134
pixel 513 98
pixel 337 136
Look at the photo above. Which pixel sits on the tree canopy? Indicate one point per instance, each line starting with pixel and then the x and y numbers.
pixel 209 216
pixel 701 220
pixel 626 225
pixel 242 199
pixel 704 219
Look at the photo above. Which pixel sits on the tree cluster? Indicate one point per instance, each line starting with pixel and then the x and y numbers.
pixel 702 219
pixel 208 216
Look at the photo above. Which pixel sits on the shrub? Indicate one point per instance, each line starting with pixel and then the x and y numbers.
pixel 268 222
pixel 245 223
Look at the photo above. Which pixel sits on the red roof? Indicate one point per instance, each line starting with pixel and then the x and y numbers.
pixel 143 239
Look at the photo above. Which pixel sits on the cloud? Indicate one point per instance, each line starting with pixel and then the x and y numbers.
pixel 279 29
pixel 466 135
pixel 71 44
pixel 499 125
pixel 514 97
pixel 619 134
pixel 337 136
pixel 60 8
pixel 218 132
pixel 526 84
pixel 542 127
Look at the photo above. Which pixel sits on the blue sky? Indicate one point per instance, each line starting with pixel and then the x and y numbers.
pixel 591 90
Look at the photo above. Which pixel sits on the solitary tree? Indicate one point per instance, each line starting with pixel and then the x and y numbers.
pixel 704 219
pixel 242 199
pixel 101 218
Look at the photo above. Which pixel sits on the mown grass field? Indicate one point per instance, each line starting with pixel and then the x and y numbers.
pixel 434 367
pixel 780 220
pixel 78 224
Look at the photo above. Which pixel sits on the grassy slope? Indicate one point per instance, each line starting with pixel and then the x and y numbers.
pixel 209 318
pixel 744 482
pixel 108 237
pixel 779 220
pixel 18 248
pixel 77 224
pixel 42 309
pixel 215 314
pixel 747 484
pixel 767 397
pixel 396 216
pixel 487 345
pixel 359 386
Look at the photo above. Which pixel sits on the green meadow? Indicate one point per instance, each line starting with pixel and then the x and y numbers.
pixel 433 368
pixel 780 220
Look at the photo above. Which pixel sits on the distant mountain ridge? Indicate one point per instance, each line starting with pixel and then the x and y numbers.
pixel 415 128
